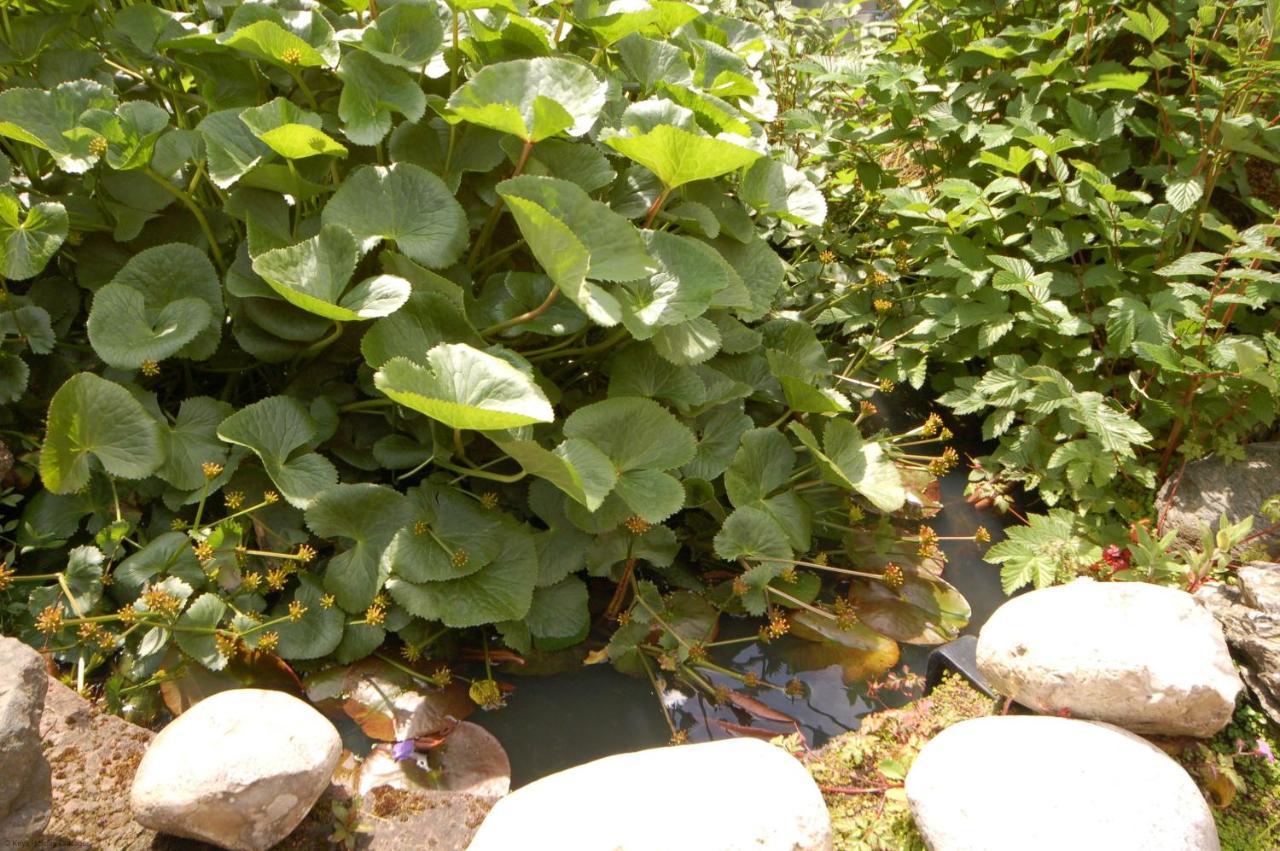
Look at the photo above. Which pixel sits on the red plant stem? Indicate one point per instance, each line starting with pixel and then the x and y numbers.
pixel 855 790
pixel 657 205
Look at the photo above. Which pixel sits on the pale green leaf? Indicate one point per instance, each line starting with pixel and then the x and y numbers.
pixel 464 387
pixel 90 417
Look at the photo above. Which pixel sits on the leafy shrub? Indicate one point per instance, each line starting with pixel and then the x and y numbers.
pixel 353 321
pixel 1061 218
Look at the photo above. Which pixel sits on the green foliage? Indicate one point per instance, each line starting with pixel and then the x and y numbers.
pixel 1060 218
pixel 348 326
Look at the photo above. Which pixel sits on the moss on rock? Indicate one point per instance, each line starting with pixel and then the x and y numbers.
pixel 861 772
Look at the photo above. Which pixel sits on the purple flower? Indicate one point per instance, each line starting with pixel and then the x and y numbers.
pixel 1264 751
pixel 402 750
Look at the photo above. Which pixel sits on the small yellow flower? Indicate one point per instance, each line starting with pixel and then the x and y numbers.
pixel 893 576
pixel 460 558
pixel 846 617
pixel 87 633
pixel 879 278
pixel 233 499
pixel 623 618
pixel 882 305
pixel 98 145
pixel 750 680
pixel 305 553
pixel 789 575
pixel 944 463
pixel 981 535
pixel 489 499
pixel 902 264
pixel 886 386
pixel 869 409
pixel 410 653
pixel 327 601
pixel 698 651
pixel 827 256
pixel 211 469
pixel 420 527
pixel 6 575
pixel 269 641
pixel 251 581
pixel 291 55
pixel 931 426
pixel 270 497
pixel 161 602
pixel 127 615
pixel 679 737
pixel 486 694
pixel 945 434
pixel 375 615
pixel 822 558
pixel 382 600
pixel 637 525
pixel 150 368
pixel 296 611
pixel 177 524
pixel 203 551
pixel 739 586
pixel 276 577
pixel 778 624
pixel 795 688
pixel 442 677
pixel 228 645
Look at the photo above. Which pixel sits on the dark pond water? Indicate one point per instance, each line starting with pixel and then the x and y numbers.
pixel 558 721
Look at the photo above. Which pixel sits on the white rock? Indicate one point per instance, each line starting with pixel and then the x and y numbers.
pixel 25 791
pixel 239 769
pixel 1014 783
pixel 1141 656
pixel 717 796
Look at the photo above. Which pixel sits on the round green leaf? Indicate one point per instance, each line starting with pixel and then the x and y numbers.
pixel 171 273
pixel 407 34
pixel 636 434
pixel 678 156
pixel 276 428
pixel 464 387
pixel 313 275
pixel 90 417
pixel 27 243
pixel 533 99
pixel 125 333
pixel 403 203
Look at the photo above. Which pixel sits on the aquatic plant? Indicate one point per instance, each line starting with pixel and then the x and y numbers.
pixel 390 328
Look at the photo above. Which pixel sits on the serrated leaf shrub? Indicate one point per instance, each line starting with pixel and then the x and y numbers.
pixel 335 326
pixel 1060 218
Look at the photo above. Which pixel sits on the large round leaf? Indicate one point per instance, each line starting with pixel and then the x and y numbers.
pixel 925 610
pixel 276 428
pixel 90 417
pixel 126 333
pixel 464 387
pixel 368 515
pixel 164 275
pixel 406 204
pixel 502 591
pixel 28 243
pixel 636 434
pixel 314 274
pixel 533 99
pixel 679 156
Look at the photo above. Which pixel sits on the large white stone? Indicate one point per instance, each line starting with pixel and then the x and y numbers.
pixel 717 796
pixel 25 791
pixel 1016 783
pixel 1141 656
pixel 239 769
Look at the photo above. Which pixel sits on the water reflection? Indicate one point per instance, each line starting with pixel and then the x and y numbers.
pixel 562 720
